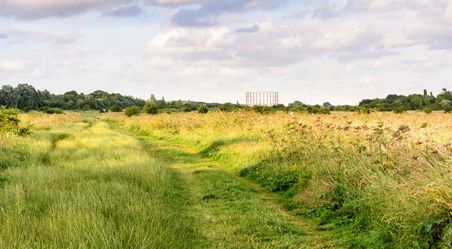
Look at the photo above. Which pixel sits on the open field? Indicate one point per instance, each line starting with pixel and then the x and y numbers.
pixel 374 180
pixel 228 180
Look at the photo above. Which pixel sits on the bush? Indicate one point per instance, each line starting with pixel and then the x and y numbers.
pixel 189 108
pixel 203 109
pixel 318 110
pixel 54 111
pixel 151 108
pixel 132 111
pixel 399 109
pixel 115 108
pixel 428 110
pixel 9 122
pixel 261 109
pixel 448 109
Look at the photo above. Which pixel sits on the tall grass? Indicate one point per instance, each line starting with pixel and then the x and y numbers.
pixel 86 186
pixel 377 180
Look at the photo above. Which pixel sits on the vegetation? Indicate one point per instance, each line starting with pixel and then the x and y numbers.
pixel 203 109
pixel 86 183
pixel 151 108
pixel 86 186
pixel 226 176
pixel 26 97
pixel 10 123
pixel 375 180
pixel 400 103
pixel 132 111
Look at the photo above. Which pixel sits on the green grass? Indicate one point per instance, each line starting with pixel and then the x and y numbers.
pixel 85 186
pixel 364 199
pixel 232 212
pixel 94 185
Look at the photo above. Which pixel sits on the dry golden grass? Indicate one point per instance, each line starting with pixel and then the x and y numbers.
pixel 41 120
pixel 400 165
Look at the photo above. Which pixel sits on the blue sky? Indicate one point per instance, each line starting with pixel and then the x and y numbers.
pixel 339 51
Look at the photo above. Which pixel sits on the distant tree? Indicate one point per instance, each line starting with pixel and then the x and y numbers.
pixel 8 96
pixel 27 97
pixel 115 108
pixel 132 111
pixel 203 109
pixel 327 105
pixel 151 108
pixel 152 99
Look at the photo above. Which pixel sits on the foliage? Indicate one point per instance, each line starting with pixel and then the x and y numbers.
pixel 203 109
pixel 151 108
pixel 9 122
pixel 132 111
pixel 262 109
pixel 115 108
pixel 100 189
pixel 400 103
pixel 26 98
pixel 355 173
pixel 428 110
pixel 54 111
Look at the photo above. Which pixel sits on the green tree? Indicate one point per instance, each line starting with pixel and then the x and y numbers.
pixel 27 97
pixel 8 96
pixel 151 108
pixel 115 108
pixel 132 111
pixel 203 109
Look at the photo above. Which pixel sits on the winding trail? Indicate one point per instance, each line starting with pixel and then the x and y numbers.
pixel 92 184
pixel 233 212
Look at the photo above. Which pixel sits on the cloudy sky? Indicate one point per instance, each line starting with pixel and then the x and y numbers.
pixel 215 50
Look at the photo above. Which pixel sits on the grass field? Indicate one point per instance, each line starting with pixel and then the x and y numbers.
pixel 228 180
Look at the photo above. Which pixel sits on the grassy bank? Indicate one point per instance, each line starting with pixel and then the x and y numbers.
pixel 375 180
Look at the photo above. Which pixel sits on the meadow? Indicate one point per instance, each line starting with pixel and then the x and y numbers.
pixel 374 180
pixel 227 180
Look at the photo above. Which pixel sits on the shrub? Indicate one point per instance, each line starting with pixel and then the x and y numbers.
pixel 428 110
pixel 115 108
pixel 318 110
pixel 399 109
pixel 150 108
pixel 132 111
pixel 203 109
pixel 9 122
pixel 54 111
pixel 189 108
pixel 448 109
pixel 364 110
pixel 261 109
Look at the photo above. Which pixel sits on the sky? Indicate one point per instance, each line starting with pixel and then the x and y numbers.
pixel 313 51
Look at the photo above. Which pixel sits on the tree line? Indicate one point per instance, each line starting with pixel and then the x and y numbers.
pixel 25 97
pixel 399 103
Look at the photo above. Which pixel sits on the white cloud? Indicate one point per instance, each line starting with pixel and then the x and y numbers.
pixel 12 65
pixel 448 13
pixel 314 48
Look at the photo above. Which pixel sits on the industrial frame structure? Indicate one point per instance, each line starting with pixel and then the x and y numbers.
pixel 262 98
